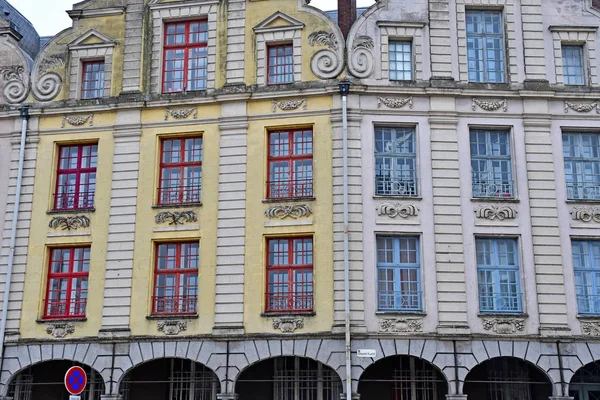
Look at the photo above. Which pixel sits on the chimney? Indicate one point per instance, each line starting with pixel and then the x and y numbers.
pixel 346 15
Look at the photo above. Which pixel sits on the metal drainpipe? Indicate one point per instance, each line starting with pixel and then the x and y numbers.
pixel 24 111
pixel 344 89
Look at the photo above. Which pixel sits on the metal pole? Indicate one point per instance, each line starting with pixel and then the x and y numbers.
pixel 346 245
pixel 24 111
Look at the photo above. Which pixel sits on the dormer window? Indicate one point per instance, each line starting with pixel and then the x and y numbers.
pixel 92 83
pixel 281 64
pixel 185 56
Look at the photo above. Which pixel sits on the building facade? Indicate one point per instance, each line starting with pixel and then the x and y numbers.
pixel 192 190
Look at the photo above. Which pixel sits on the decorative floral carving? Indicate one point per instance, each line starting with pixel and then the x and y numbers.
pixel 170 327
pixel 68 223
pixel 395 103
pixel 400 325
pixel 504 325
pixel 282 212
pixel 78 120
pixel 176 218
pixel 365 42
pixel 288 324
pixel 181 113
pixel 394 210
pixel 591 328
pixel 60 330
pixel 582 107
pixel 492 212
pixel 489 105
pixel 51 62
pixel 289 105
pixel 586 214
pixel 47 87
pixel 16 88
pixel 323 38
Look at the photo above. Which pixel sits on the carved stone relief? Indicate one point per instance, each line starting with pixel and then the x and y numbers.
pixel 52 62
pixel 326 63
pixel 586 214
pixel 176 218
pixel 16 88
pixel 171 327
pixel 489 105
pixel 47 87
pixel 181 113
pixel 78 120
pixel 582 107
pixel 394 103
pixel 289 105
pixel 288 324
pixel 44 85
pixel 492 212
pixel 591 328
pixel 60 330
pixel 362 60
pixel 394 210
pixel 400 325
pixel 282 212
pixel 504 326
pixel 70 223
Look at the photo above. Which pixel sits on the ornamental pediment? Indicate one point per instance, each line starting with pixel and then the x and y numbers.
pixel 92 38
pixel 278 21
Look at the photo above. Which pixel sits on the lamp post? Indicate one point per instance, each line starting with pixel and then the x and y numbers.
pixel 344 85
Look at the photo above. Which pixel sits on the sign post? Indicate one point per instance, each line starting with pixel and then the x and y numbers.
pixel 75 381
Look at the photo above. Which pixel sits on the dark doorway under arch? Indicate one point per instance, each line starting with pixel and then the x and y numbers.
pixel 170 378
pixel 289 378
pixel 402 377
pixel 507 378
pixel 45 381
pixel 585 384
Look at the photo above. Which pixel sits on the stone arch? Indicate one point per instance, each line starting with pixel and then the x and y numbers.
pixel 19 358
pixel 525 374
pixel 585 378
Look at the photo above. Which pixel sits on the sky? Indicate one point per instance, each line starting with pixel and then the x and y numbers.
pixel 49 16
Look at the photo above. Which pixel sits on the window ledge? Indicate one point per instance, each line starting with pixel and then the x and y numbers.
pixel 392 197
pixel 587 201
pixel 72 211
pixel 59 320
pixel 288 314
pixel 172 316
pixel 289 200
pixel 401 313
pixel 503 315
pixel 176 205
pixel 495 199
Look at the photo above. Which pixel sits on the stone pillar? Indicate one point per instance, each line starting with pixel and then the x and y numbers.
pixel 236 33
pixel 456 397
pixel 132 66
pixel 227 396
pixel 355 396
pixel 533 44
pixel 440 17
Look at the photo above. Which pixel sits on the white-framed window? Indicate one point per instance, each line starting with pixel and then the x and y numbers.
pixel 485 46
pixel 396 161
pixel 573 64
pixel 401 58
pixel 498 275
pixel 581 151
pixel 401 50
pixel 575 55
pixel 491 164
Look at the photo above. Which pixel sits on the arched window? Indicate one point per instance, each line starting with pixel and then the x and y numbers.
pixel 585 384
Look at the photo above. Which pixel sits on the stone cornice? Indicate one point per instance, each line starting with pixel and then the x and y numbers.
pixel 102 12
pixel 571 28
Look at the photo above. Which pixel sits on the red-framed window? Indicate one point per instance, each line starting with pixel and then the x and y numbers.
pixel 185 56
pixel 289 274
pixel 280 64
pixel 290 162
pixel 76 176
pixel 67 290
pixel 180 170
pixel 176 278
pixel 92 81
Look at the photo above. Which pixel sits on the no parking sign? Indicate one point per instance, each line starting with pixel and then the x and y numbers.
pixel 75 380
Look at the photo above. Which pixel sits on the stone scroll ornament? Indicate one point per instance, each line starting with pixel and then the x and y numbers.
pixel 394 102
pixel 171 328
pixel 362 60
pixel 493 212
pixel 70 223
pixel 176 218
pixel 586 214
pixel 289 105
pixel 288 324
pixel 400 325
pixel 582 107
pixel 489 105
pixel 16 84
pixel 326 63
pixel 294 212
pixel 394 210
pixel 504 325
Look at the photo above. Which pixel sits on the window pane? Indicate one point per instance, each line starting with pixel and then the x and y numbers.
pixel 280 64
pixel 485 46
pixel 582 165
pixel 586 263
pixel 573 72
pixel 395 161
pixel 491 164
pixel 290 164
pixel 400 60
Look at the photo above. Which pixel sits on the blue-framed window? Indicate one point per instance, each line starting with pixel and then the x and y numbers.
pixel 581 152
pixel 491 164
pixel 485 46
pixel 573 65
pixel 395 162
pixel 586 263
pixel 398 274
pixel 498 275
